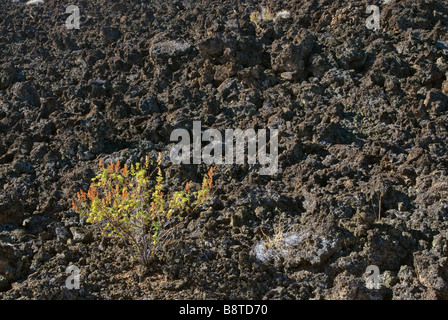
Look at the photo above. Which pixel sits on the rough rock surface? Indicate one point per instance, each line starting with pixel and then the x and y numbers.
pixel 363 163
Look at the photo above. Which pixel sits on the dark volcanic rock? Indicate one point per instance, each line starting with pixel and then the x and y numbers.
pixel 362 146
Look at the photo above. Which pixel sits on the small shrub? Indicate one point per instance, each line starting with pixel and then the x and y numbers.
pixel 278 246
pixel 266 15
pixel 129 203
pixel 257 17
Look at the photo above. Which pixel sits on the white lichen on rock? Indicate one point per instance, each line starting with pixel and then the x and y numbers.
pixel 34 2
pixel 282 14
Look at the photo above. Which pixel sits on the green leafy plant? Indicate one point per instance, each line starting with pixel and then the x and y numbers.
pixel 129 203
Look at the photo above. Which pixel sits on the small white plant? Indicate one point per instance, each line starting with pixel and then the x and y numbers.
pixel 280 245
pixel 266 15
pixel 257 17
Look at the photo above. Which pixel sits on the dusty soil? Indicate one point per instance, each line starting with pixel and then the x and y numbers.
pixel 362 118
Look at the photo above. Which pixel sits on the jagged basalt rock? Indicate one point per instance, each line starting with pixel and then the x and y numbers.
pixel 362 151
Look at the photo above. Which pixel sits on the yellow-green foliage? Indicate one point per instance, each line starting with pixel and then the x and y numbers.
pixel 129 203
